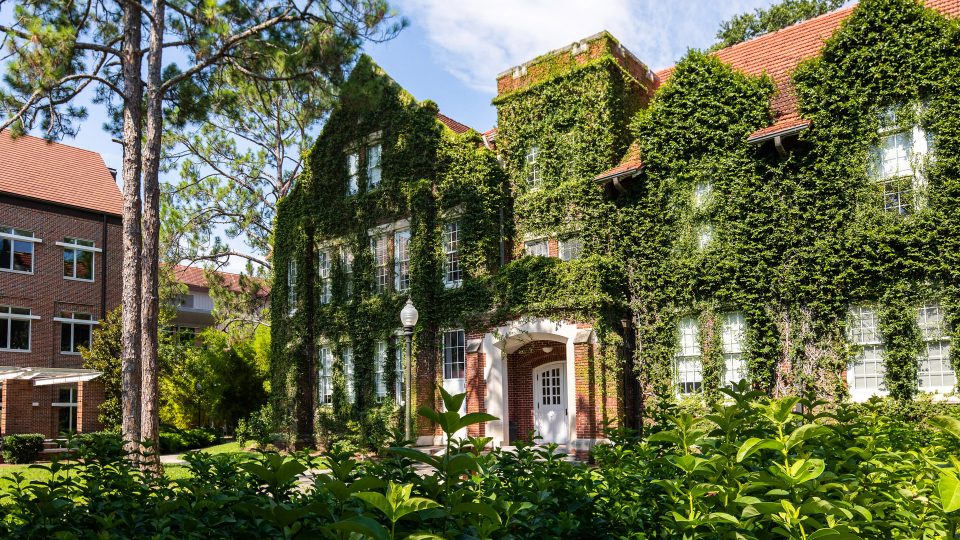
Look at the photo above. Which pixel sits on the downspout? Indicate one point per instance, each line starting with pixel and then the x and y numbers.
pixel 778 144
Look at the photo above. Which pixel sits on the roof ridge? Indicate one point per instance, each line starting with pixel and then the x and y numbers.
pixel 41 139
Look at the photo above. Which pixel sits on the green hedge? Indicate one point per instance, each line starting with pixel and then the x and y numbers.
pixel 187 439
pixel 23 448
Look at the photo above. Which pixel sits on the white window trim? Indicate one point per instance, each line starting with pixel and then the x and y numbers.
pixel 75 321
pixel 561 242
pixel 536 240
pixel 18 238
pixel 397 261
pixel 863 394
pixel 79 247
pixel 443 352
pixel 19 317
pixel 448 283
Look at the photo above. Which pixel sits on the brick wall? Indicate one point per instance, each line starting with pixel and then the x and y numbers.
pixel 90 395
pixel 47 293
pixel 476 386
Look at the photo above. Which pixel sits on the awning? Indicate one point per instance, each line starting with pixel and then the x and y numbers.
pixel 47 376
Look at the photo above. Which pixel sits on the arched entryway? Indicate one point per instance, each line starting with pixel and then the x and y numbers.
pixel 538 382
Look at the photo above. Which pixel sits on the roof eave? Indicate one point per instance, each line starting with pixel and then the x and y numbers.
pixel 786 132
pixel 621 174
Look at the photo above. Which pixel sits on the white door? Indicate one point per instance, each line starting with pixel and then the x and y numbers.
pixel 550 403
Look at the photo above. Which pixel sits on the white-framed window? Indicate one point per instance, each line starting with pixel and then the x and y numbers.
pixel 704 235
pixel 400 369
pixel 732 331
pixel 76 330
pixel 373 165
pixel 454 354
pixel 865 373
pixel 537 248
pixel 570 248
pixel 896 163
pixel 401 260
pixel 381 262
pixel 78 259
pixel 534 178
pixel 324 266
pixel 936 374
pixel 291 286
pixel 325 376
pixel 15 328
pixel 346 259
pixel 379 369
pixel 689 364
pixel 346 356
pixel 66 406
pixel 17 250
pixel 452 274
pixel 701 194
pixel 353 173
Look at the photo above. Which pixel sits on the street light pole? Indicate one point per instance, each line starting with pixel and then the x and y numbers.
pixel 408 318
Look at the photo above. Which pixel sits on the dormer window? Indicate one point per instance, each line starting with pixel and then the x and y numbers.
pixel 353 174
pixel 896 163
pixel 534 178
pixel 373 165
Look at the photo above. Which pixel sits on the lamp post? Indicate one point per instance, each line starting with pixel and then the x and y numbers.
pixel 408 318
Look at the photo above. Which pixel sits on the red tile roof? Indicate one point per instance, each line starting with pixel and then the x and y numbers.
pixel 630 163
pixel 33 168
pixel 778 53
pixel 195 277
pixel 457 127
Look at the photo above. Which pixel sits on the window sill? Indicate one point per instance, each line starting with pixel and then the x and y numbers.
pixel 92 280
pixel 68 353
pixel 23 272
pixel 16 350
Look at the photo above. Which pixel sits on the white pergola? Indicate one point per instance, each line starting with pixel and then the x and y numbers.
pixel 48 376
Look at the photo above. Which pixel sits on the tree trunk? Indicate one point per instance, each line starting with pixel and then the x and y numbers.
pixel 132 103
pixel 150 413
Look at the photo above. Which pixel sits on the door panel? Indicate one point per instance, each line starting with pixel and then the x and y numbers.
pixel 550 403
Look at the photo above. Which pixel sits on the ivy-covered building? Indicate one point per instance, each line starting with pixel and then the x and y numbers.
pixel 783 211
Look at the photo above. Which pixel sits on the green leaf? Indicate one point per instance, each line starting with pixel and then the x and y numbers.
pixel 805 433
pixel 949 488
pixel 480 509
pixel 452 402
pixel 754 444
pixel 947 424
pixel 804 470
pixel 363 525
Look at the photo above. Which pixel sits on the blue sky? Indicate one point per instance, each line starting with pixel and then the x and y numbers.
pixel 452 51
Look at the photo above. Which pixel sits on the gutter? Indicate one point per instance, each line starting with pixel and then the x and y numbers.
pixel 773 135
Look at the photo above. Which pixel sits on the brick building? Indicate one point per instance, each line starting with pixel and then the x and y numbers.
pixel 195 308
pixel 60 259
pixel 519 347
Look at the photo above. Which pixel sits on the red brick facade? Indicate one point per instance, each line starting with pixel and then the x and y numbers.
pixel 48 293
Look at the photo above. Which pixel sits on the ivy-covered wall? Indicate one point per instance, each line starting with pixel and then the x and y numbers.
pixel 795 241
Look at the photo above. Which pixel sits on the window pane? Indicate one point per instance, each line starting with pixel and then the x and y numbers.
pixel 84 264
pixel 451 247
pixel 6 254
pixel 454 354
pixel 68 262
pixel 373 165
pixel 66 337
pixel 23 256
pixel 4 333
pixel 538 248
pixel 81 336
pixel 570 248
pixel 20 335
pixel 401 248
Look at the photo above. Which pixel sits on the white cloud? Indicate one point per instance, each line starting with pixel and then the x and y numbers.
pixel 475 40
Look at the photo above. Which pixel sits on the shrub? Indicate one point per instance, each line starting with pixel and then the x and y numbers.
pixel 258 427
pixel 22 448
pixel 187 439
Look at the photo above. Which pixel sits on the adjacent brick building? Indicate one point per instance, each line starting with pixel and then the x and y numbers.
pixel 60 259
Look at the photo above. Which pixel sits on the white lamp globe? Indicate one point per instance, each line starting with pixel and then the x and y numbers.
pixel 409 315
